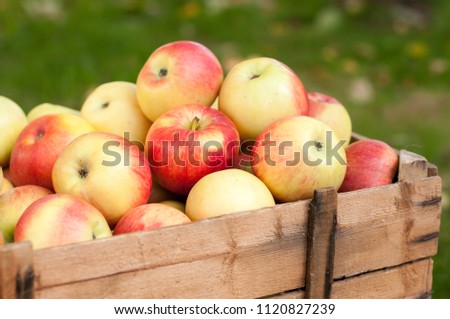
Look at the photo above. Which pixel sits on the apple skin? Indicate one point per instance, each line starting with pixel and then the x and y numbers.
pixel 39 145
pixel 49 108
pixel 296 155
pixel 330 111
pixel 259 91
pixel 1 178
pixel 105 170
pixel 178 73
pixel 189 142
pixel 371 163
pixel 12 121
pixel 150 216
pixel 225 192
pixel 175 204
pixel 13 203
pixel 60 219
pixel 113 107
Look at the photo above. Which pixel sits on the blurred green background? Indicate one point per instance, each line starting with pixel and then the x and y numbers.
pixel 388 62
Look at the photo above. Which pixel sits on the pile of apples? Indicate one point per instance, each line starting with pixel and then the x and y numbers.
pixel 183 143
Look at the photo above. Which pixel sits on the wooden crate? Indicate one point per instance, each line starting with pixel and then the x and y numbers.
pixel 371 243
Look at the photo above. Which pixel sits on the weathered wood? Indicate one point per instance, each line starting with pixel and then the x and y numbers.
pixel 229 257
pixel 321 243
pixel 412 167
pixel 387 226
pixel 432 170
pixel 410 280
pixel 16 271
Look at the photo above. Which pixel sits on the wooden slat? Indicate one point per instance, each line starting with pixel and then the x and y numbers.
pixel 387 226
pixel 412 280
pixel 16 271
pixel 243 255
pixel 321 243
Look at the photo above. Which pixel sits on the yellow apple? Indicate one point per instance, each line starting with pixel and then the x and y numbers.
pixel 225 192
pixel 112 107
pixel 1 178
pixel 12 121
pixel 175 204
pixel 49 108
pixel 7 185
pixel 259 91
pixel 107 171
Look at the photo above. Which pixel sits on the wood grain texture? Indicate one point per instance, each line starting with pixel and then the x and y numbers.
pixel 321 244
pixel 16 271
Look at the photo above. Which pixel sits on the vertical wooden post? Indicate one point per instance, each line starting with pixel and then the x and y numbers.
pixel 412 167
pixel 321 243
pixel 16 271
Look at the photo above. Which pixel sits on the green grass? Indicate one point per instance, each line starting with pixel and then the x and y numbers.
pixel 388 64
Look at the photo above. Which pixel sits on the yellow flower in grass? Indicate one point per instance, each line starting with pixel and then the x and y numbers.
pixel 417 49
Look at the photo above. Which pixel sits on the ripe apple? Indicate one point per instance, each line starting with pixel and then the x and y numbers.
pixel 13 203
pixel 60 219
pixel 2 240
pixel 150 216
pixel 7 185
pixel 49 108
pixel 112 107
pixel 259 91
pixel 178 73
pixel 225 192
pixel 107 171
pixel 1 178
pixel 370 163
pixel 188 142
pixel 330 111
pixel 12 121
pixel 40 143
pixel 296 155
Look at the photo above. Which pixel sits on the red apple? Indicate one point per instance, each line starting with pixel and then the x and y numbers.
pixel 259 91
pixel 14 202
pixel 107 171
pixel 189 142
pixel 330 111
pixel 39 145
pixel 296 155
pixel 370 163
pixel 150 216
pixel 177 73
pixel 60 219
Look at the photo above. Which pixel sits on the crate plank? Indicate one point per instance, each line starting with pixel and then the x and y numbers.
pixel 387 226
pixel 16 271
pixel 243 247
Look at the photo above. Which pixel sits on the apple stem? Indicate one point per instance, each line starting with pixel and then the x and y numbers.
pixel 195 123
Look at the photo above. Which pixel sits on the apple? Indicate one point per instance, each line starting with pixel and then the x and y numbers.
pixel 259 91
pixel 13 203
pixel 370 163
pixel 150 216
pixel 12 121
pixel 49 108
pixel 188 142
pixel 296 155
pixel 112 107
pixel 40 143
pixel 225 192
pixel 330 111
pixel 105 170
pixel 175 204
pixel 2 240
pixel 1 178
pixel 7 185
pixel 178 73
pixel 60 219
